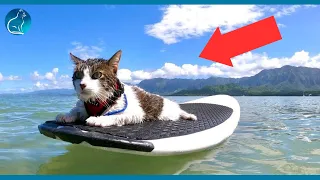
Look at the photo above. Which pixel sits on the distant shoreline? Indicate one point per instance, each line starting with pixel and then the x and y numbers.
pixel 244 95
pixel 237 90
pixel 228 89
pixel 203 95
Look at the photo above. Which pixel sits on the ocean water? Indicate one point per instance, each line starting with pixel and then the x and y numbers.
pixel 276 135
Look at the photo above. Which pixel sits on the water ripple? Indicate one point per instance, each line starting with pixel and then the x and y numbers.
pixel 276 135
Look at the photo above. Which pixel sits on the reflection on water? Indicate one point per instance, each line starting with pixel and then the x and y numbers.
pixel 87 160
pixel 276 135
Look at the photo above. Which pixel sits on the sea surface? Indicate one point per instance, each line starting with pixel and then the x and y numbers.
pixel 276 135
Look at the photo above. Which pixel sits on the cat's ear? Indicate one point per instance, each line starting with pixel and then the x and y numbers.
pixel 75 59
pixel 114 61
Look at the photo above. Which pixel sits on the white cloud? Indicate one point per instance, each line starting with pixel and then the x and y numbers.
pixel 247 64
pixel 141 75
pixel 36 76
pixel 281 25
pixel 51 76
pixel 64 77
pixel 187 21
pixel 124 75
pixel 55 70
pixel 40 85
pixel 13 78
pixel 9 78
pixel 61 82
pixel 85 52
pixel 288 10
pixel 51 80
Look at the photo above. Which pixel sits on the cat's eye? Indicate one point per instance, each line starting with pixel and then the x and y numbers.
pixel 96 75
pixel 78 75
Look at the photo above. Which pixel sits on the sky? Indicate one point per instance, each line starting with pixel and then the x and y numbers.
pixel 156 41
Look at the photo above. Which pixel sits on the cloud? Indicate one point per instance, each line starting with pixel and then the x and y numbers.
pixel 288 10
pixel 50 80
pixel 51 76
pixel 84 51
pixel 281 25
pixel 64 77
pixel 9 78
pixel 40 85
pixel 13 78
pixel 125 75
pixel 62 82
pixel 36 76
pixel 55 70
pixel 188 21
pixel 247 64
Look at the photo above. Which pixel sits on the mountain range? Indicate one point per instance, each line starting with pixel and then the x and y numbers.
pixel 284 79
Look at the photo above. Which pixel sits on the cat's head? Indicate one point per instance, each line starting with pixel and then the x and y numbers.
pixel 95 79
pixel 21 13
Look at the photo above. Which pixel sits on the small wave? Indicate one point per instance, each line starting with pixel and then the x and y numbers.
pixel 304 138
pixel 299 158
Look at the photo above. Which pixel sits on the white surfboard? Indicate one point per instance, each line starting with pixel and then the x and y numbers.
pixel 218 117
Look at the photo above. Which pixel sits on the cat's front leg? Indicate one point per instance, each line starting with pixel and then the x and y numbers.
pixel 66 118
pixel 100 121
pixel 77 113
pixel 116 120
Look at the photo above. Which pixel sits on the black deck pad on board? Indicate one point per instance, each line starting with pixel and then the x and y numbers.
pixel 132 136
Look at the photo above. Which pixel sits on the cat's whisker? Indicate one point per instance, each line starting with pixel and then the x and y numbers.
pixel 102 99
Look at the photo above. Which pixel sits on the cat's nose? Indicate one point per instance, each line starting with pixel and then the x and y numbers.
pixel 82 86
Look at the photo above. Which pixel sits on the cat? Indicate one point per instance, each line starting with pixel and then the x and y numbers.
pixel 17 23
pixel 105 101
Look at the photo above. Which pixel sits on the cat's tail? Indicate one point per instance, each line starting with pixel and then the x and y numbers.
pixel 187 116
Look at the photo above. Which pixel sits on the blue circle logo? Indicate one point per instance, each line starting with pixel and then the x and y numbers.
pixel 18 21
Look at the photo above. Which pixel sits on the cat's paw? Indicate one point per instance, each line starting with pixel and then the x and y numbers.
pixel 188 116
pixel 100 121
pixel 65 118
pixel 192 117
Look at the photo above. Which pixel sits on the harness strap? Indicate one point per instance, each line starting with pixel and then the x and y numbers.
pixel 120 110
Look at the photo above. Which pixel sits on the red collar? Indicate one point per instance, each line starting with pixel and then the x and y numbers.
pixel 97 108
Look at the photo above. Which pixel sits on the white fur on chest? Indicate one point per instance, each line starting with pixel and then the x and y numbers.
pixel 132 114
pixel 133 103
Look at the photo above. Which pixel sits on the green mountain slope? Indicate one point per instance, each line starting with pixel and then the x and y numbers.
pixel 286 78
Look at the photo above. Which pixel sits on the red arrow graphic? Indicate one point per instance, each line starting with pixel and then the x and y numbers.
pixel 221 48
